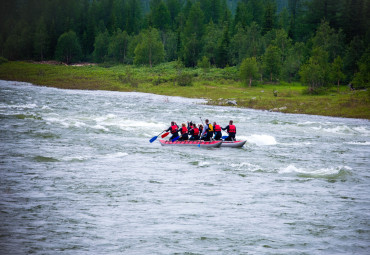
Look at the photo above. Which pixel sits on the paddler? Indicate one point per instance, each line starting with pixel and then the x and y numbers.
pixel 173 129
pixel 207 131
pixel 194 132
pixel 184 133
pixel 231 130
pixel 218 132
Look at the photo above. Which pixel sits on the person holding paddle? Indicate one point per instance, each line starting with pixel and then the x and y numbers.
pixel 194 132
pixel 218 132
pixel 173 129
pixel 207 131
pixel 231 130
pixel 184 133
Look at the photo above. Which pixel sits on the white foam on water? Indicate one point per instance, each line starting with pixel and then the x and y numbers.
pixel 116 155
pixel 136 124
pixel 260 139
pixel 298 144
pixel 359 143
pixel 362 130
pixel 342 129
pixel 100 127
pixel 204 163
pixel 245 166
pixel 53 120
pixel 79 124
pixel 338 130
pixel 314 172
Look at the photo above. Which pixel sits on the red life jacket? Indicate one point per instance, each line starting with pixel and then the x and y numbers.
pixel 173 129
pixel 217 128
pixel 184 130
pixel 232 129
pixel 196 131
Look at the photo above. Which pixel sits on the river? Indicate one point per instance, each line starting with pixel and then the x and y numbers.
pixel 79 176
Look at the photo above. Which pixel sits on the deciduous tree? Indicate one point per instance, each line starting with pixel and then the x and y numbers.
pixel 249 70
pixel 68 49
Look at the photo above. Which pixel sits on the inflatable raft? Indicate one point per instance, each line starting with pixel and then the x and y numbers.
pixel 233 144
pixel 211 144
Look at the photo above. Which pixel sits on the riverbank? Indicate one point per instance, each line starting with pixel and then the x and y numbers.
pixel 218 86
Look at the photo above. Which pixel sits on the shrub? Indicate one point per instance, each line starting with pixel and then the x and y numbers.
pixel 3 60
pixel 184 79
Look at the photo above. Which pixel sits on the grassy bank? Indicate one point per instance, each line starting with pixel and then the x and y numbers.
pixel 219 86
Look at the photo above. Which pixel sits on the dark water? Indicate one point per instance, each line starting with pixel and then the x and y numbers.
pixel 79 176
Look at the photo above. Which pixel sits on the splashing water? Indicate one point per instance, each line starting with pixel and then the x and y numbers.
pixel 79 176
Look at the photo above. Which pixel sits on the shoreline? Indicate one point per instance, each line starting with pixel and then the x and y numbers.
pixel 217 87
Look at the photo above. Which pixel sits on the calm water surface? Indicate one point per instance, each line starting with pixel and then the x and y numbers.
pixel 79 176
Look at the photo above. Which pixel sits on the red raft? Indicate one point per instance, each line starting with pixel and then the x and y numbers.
pixel 212 144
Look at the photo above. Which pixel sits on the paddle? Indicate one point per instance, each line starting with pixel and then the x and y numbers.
pixel 224 137
pixel 165 134
pixel 176 138
pixel 155 137
pixel 200 138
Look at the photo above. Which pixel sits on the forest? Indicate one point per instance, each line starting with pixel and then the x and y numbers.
pixel 318 42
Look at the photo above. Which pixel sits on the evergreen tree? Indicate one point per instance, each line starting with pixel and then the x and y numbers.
pixel 328 40
pixel 118 46
pixel 40 39
pixel 223 56
pixel 272 62
pixel 192 50
pixel 269 17
pixel 362 77
pixel 211 42
pixel 239 45
pixel 160 16
pixel 352 55
pixel 101 47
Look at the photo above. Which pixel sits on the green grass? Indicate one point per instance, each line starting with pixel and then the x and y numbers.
pixel 216 85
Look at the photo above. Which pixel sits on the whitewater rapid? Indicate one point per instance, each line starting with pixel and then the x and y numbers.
pixel 79 176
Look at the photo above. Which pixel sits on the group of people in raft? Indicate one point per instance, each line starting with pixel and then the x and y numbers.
pixel 206 132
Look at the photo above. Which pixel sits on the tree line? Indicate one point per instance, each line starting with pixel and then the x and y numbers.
pixel 320 42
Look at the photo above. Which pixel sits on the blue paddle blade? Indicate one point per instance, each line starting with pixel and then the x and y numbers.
pixel 174 139
pixel 225 136
pixel 153 139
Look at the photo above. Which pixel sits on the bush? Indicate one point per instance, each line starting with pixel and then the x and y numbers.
pixel 185 79
pixel 3 60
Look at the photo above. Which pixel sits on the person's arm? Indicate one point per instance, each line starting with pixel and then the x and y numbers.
pixel 204 130
pixel 226 128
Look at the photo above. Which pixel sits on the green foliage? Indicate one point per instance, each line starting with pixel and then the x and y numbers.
pixel 118 46
pixel 226 32
pixel 223 56
pixel 161 17
pixel 315 73
pixel 272 62
pixel 40 39
pixel 336 71
pixel 362 78
pixel 204 64
pixel 249 70
pixel 68 48
pixel 330 41
pixel 150 50
pixel 101 47
pixel 3 60
pixel 184 79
